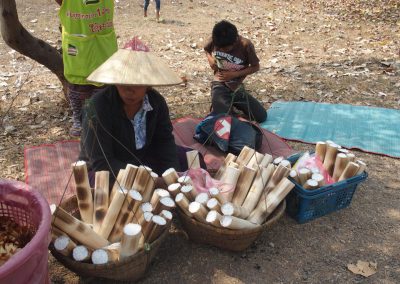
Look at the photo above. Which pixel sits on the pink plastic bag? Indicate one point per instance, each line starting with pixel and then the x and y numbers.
pixel 28 208
pixel 202 181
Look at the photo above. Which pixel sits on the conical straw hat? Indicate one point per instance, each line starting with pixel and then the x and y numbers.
pixel 129 67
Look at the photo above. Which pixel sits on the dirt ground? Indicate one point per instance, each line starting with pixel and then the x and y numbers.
pixel 337 51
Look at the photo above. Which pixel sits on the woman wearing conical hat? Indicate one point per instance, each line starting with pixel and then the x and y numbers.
pixel 129 121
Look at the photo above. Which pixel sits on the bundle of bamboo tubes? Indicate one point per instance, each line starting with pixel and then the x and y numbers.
pixel 113 226
pixel 339 164
pixel 257 187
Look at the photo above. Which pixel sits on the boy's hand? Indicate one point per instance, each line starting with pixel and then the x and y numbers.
pixel 226 75
pixel 212 62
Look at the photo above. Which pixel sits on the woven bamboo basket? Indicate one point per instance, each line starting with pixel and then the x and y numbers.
pixel 129 269
pixel 234 240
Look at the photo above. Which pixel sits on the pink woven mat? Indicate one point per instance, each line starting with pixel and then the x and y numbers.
pixel 48 167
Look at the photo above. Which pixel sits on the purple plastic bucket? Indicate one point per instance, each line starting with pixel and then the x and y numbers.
pixel 26 207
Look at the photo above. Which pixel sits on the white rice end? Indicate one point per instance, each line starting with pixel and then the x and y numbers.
pixel 174 187
pixel 304 171
pixel 168 172
pixel 212 203
pixel 179 197
pixel 147 216
pixel 285 163
pixel 99 256
pixel 159 220
pixel 184 179
pixel 166 214
pixel 202 198
pixel 135 195
pixel 317 177
pixel 61 242
pixel 167 201
pixel 225 221
pixel 315 170
pixel 342 155
pixel 146 207
pixel 162 192
pixel 213 191
pixel 293 173
pixel 278 160
pixel 211 216
pixel 194 207
pixel 132 229
pixel 154 175
pixel 227 209
pixel 79 164
pixel 186 188
pixel 312 183
pixel 80 253
pixel 53 208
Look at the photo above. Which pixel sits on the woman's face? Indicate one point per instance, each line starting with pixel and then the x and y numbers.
pixel 131 95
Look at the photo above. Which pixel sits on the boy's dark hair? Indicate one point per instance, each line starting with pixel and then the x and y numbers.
pixel 224 34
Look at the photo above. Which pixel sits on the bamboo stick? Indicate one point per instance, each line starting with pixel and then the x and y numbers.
pixel 229 158
pixel 320 150
pixel 183 203
pixel 189 192
pixel 198 211
pixel 83 191
pixel 362 166
pixel 164 203
pixel 257 188
pixel 235 223
pixel 266 206
pixel 215 193
pixel 340 164
pixel 77 230
pixel 213 204
pixel 243 185
pixel 101 192
pixel 350 171
pixel 330 157
pixel 304 175
pixel 131 203
pixel 310 184
pixel 141 179
pixel 231 209
pixel 167 215
pixel 319 179
pixel 129 176
pixel 157 194
pixel 144 207
pixel 107 254
pixel 213 218
pixel 245 156
pixel 293 174
pixel 81 253
pixel 147 230
pixel 149 189
pixel 230 177
pixel 280 173
pixel 55 233
pixel 193 160
pixel 170 176
pixel 130 240
pixel 64 245
pixel 112 213
pixel 145 217
pixel 266 160
pixel 255 161
pixel 160 224
pixel 202 198
pixel 185 180
pixel 116 185
pixel 174 189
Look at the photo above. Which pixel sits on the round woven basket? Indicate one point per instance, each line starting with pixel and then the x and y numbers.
pixel 129 269
pixel 234 240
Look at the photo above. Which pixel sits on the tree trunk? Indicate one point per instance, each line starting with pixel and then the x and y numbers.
pixel 18 38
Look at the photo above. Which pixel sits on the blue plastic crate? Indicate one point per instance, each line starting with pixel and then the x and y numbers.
pixel 305 205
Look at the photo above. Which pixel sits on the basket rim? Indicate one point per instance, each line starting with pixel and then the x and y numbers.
pixel 281 207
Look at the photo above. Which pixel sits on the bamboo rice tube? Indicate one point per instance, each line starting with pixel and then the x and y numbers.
pixel 174 189
pixel 344 151
pixel 231 209
pixel 320 150
pixel 350 171
pixel 77 230
pixel 81 253
pixel 293 174
pixel 193 160
pixel 280 173
pixel 236 223
pixel 286 164
pixel 304 175
pixel 213 204
pixel 310 184
pixel 257 188
pixel 149 189
pixel 340 164
pixel 266 206
pixel 229 158
pixel 189 192
pixel 183 203
pixel 141 179
pixel 170 176
pixel 160 224
pixel 233 165
pixel 64 245
pixel 231 177
pixel 130 240
pixel 144 207
pixel 167 215
pixel 362 166
pixel 243 185
pixel 83 191
pixel 112 213
pixel 319 179
pixel 278 160
pixel 129 176
pixel 213 218
pixel 202 198
pixel 215 193
pixel 107 254
pixel 131 203
pixel 351 157
pixel 256 160
pixel 148 228
pixel 198 211
pixel 330 157
pixel 164 203
pixel 117 185
pixel 245 155
pixel 185 180
pixel 101 189
pixel 266 160
pixel 55 233
pixel 145 217
pixel 157 195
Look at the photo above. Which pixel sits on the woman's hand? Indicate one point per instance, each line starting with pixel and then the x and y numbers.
pixel 225 76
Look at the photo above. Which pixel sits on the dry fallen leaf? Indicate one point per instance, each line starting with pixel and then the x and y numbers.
pixel 363 268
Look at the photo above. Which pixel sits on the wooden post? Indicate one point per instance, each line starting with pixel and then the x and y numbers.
pixel 77 230
pixel 64 245
pixel 101 192
pixel 183 203
pixel 107 254
pixel 320 150
pixel 330 157
pixel 83 191
pixel 193 159
pixel 243 185
pixel 81 253
pixel 229 158
pixel 350 171
pixel 170 176
pixel 235 223
pixel 213 218
pixel 198 211
pixel 130 240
